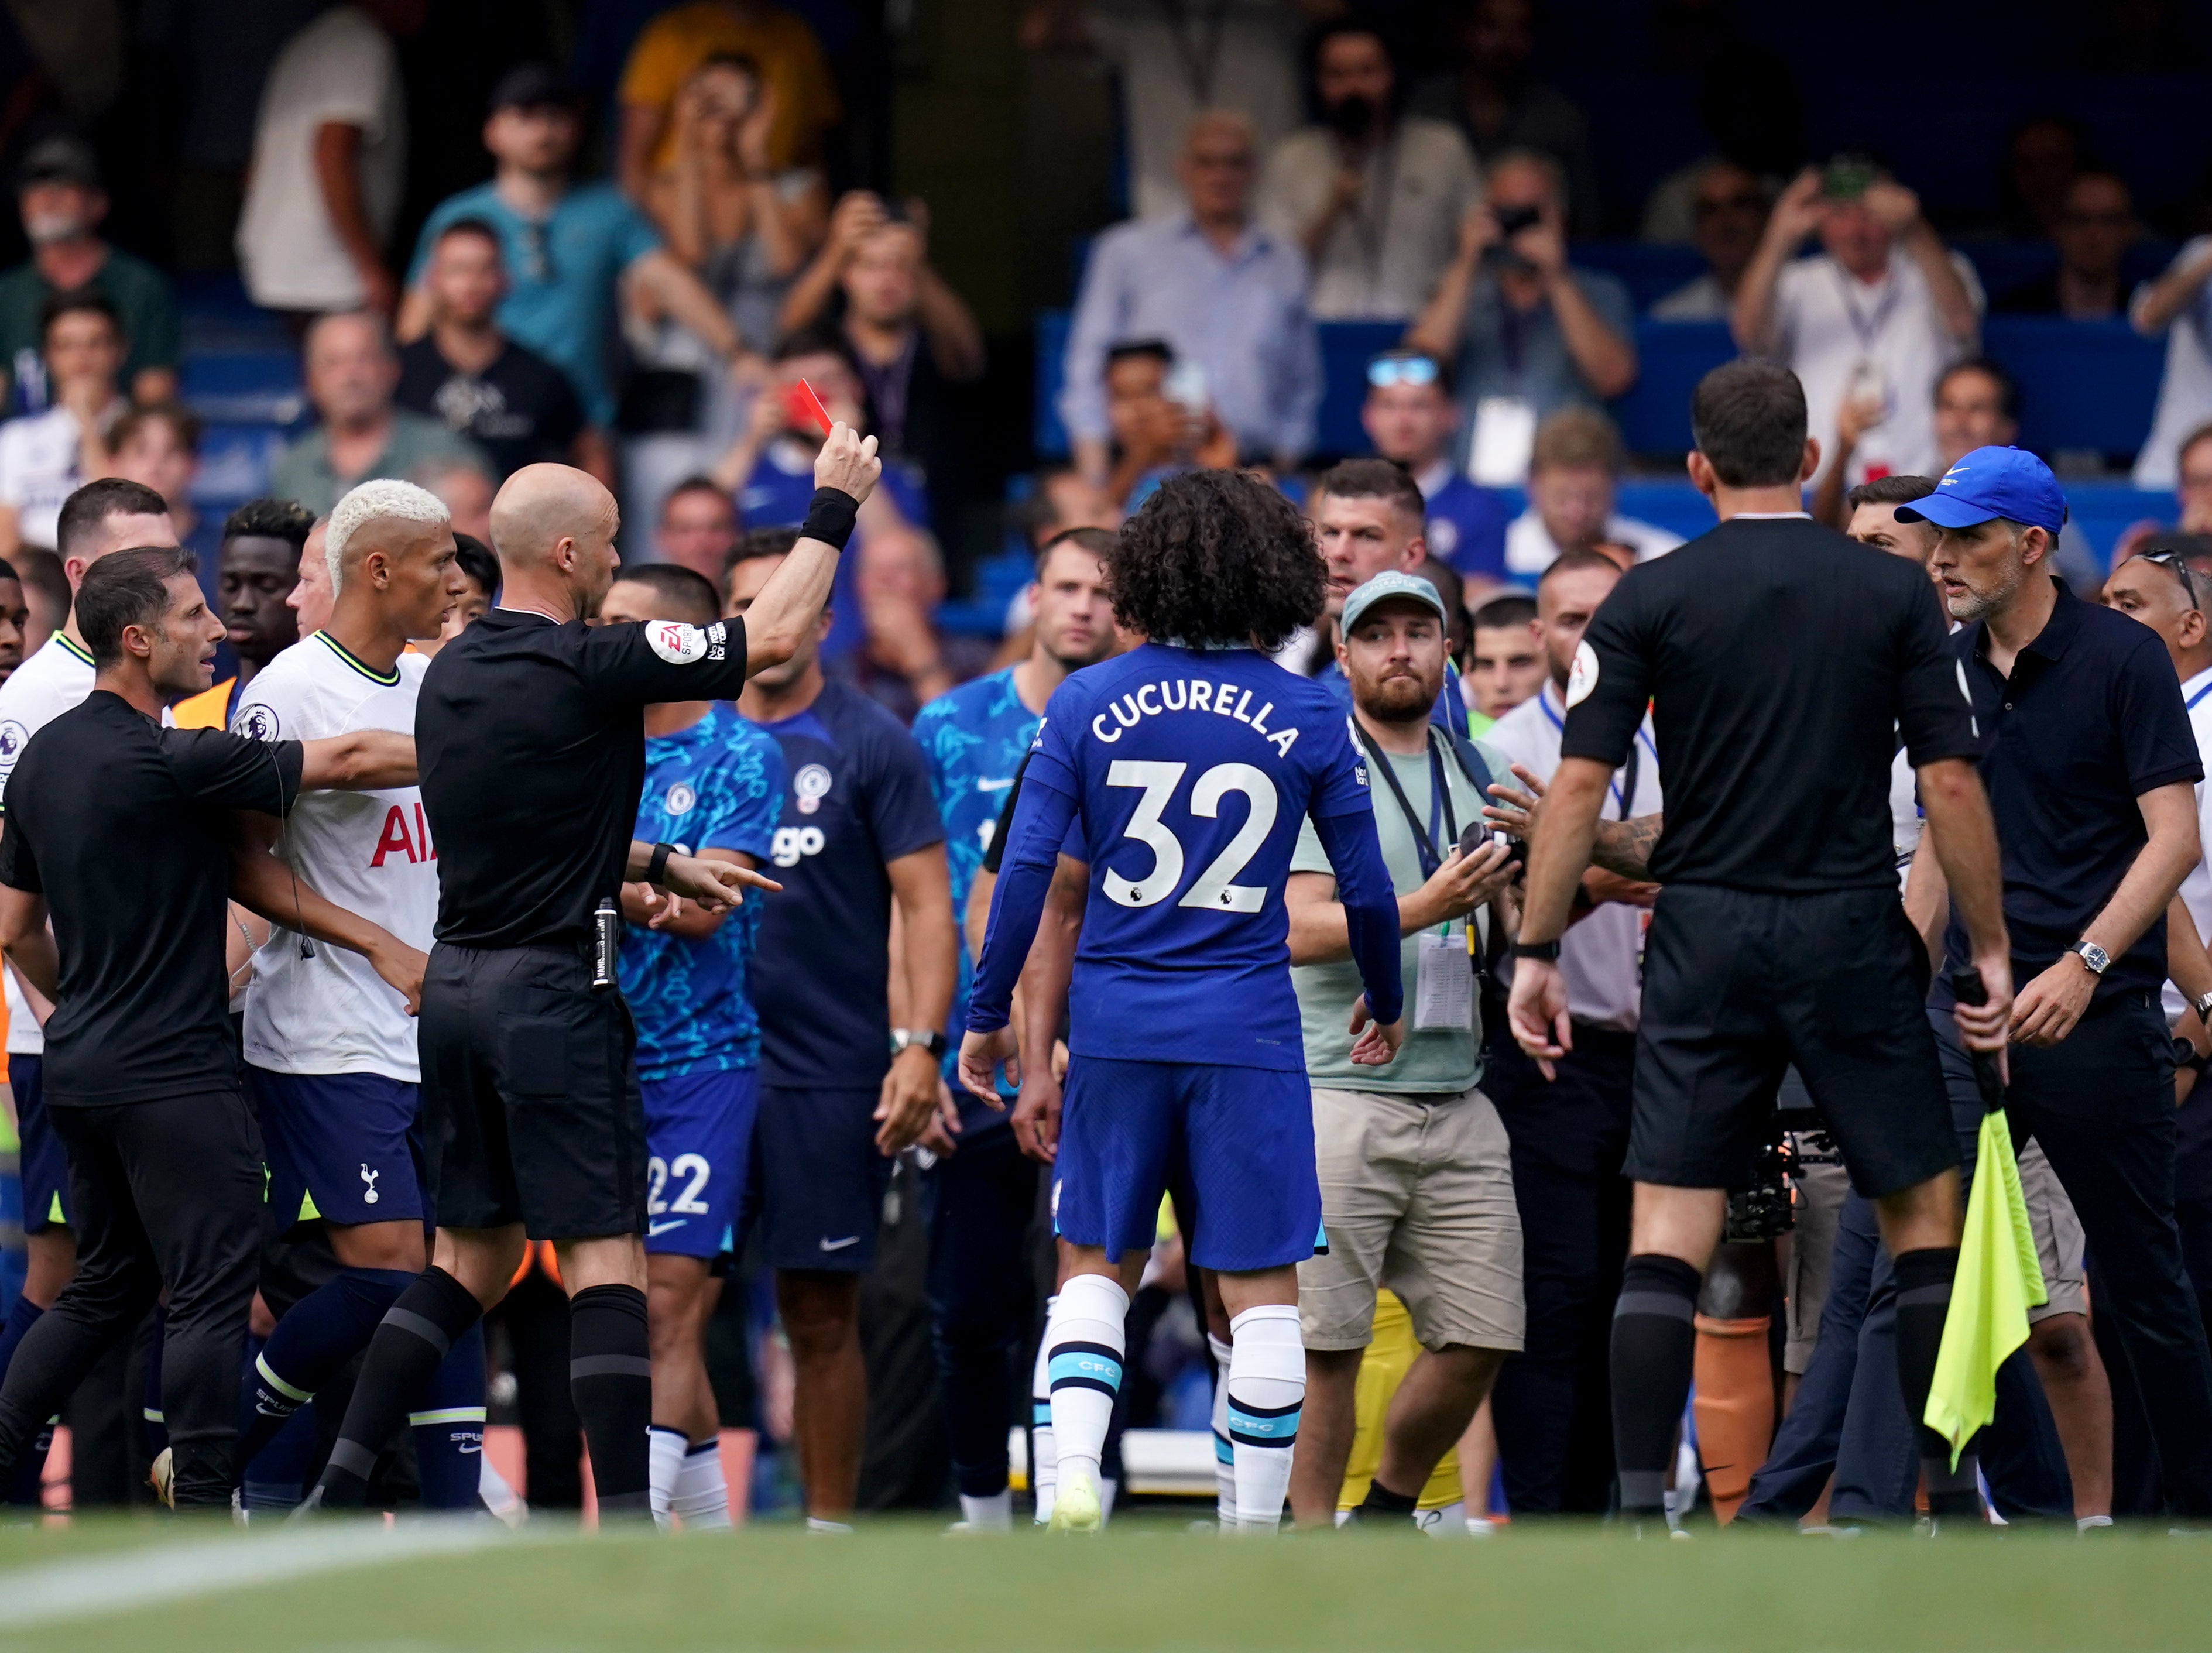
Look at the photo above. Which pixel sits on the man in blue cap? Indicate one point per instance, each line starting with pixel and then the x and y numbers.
pixel 2090 765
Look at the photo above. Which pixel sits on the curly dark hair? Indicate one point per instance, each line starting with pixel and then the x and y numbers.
pixel 1216 556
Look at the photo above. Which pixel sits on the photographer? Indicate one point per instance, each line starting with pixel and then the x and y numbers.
pixel 1530 332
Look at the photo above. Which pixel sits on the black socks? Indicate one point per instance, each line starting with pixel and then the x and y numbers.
pixel 411 1340
pixel 1654 1346
pixel 610 1380
pixel 1923 1297
pixel 1383 1503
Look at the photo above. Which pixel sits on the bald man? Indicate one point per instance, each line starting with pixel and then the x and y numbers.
pixel 529 734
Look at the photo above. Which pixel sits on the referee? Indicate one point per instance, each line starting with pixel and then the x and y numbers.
pixel 1781 661
pixel 532 750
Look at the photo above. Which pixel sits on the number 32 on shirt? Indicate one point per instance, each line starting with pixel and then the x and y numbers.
pixel 1215 889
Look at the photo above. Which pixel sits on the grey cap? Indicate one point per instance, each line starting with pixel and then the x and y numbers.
pixel 58 159
pixel 1388 585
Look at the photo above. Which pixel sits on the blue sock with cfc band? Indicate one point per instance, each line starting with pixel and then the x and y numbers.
pixel 1267 1392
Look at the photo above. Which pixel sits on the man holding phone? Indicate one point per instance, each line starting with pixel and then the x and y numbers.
pixel 1416 1177
pixel 1873 319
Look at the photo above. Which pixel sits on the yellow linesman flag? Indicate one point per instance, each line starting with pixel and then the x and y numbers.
pixel 1999 1281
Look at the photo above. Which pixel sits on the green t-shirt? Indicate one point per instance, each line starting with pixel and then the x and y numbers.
pixel 139 293
pixel 303 472
pixel 1442 1059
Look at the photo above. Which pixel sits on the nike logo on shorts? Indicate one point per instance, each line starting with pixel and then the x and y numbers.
pixel 994 786
pixel 839 1245
pixel 662 1228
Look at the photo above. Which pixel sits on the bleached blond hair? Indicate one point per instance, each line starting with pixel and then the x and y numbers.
pixel 382 499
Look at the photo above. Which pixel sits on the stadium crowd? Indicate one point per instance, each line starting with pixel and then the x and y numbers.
pixel 850 1295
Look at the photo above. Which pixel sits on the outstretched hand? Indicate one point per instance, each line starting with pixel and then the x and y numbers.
pixel 848 462
pixel 717 885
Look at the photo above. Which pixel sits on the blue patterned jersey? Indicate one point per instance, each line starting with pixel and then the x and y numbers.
pixel 973 740
pixel 717 785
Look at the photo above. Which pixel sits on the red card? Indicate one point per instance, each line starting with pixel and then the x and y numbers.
pixel 814 405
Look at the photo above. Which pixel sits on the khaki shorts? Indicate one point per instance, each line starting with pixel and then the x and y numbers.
pixel 2058 1243
pixel 1416 1195
pixel 1821 1186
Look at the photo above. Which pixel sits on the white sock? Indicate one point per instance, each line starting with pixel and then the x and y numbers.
pixel 1267 1388
pixel 1044 1457
pixel 665 1461
pixel 1224 1460
pixel 1085 1334
pixel 702 1497
pixel 994 1514
pixel 501 1500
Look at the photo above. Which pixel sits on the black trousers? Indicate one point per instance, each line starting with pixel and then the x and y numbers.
pixel 1552 1401
pixel 167 1196
pixel 2101 1103
pixel 980 1298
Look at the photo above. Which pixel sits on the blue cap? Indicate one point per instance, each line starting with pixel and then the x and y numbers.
pixel 1388 584
pixel 1992 482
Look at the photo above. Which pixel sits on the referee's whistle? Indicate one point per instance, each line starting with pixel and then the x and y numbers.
pixel 606 941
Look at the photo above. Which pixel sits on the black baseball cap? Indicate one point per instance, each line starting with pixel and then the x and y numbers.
pixel 58 159
pixel 533 86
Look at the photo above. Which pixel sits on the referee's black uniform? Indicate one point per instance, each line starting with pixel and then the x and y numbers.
pixel 529 740
pixel 123 826
pixel 1782 662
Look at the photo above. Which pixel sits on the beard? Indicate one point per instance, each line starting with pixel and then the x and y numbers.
pixel 1400 698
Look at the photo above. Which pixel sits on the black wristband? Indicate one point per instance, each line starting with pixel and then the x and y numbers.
pixel 1548 952
pixel 830 518
pixel 656 867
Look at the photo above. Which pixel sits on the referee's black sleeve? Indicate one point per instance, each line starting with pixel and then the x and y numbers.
pixel 228 771
pixel 1935 714
pixel 1611 683
pixel 19 868
pixel 649 661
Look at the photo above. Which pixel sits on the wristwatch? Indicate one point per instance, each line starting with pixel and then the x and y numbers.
pixel 929 1039
pixel 1548 952
pixel 2203 1008
pixel 2095 958
pixel 2185 1056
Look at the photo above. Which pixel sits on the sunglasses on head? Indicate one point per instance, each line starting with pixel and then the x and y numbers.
pixel 2174 564
pixel 1385 371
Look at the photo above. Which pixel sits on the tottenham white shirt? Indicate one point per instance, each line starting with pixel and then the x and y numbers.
pixel 58 676
pixel 367 852
pixel 2196 887
pixel 1530 548
pixel 1602 955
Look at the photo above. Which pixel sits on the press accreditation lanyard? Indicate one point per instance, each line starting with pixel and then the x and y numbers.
pixel 1426 843
pixel 1623 781
pixel 1864 326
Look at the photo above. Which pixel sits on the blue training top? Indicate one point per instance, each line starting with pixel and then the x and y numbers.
pixel 1192 769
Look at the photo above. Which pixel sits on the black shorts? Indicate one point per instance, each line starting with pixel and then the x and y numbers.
pixel 531 1109
pixel 817 1182
pixel 1737 986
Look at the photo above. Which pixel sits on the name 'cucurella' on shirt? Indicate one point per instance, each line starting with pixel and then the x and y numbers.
pixel 1228 700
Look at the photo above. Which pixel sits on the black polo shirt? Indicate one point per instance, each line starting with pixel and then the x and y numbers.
pixel 520 410
pixel 530 738
pixel 2090 720
pixel 1781 661
pixel 124 827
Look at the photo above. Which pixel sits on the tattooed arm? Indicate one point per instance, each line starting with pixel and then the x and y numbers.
pixel 1622 848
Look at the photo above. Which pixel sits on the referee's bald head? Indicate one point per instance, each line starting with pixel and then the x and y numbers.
pixel 556 521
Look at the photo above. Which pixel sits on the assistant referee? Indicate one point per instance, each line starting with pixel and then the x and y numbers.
pixel 532 750
pixel 1782 663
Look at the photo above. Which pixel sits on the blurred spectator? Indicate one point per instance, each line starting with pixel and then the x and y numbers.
pixel 565 249
pixel 510 401
pixel 1371 195
pixel 45 457
pixel 2042 156
pixel 911 335
pixel 741 224
pixel 352 371
pixel 463 487
pixel 770 467
pixel 330 163
pixel 1228 296
pixel 1061 500
pixel 1156 434
pixel 1874 317
pixel 259 553
pixel 904 663
pixel 1531 332
pixel 1504 660
pixel 159 446
pixel 1410 416
pixel 480 570
pixel 1730 206
pixel 2193 481
pixel 1749 103
pixel 1573 475
pixel 2096 226
pixel 1449 586
pixel 57 188
pixel 2176 300
pixel 14 620
pixel 698 527
pixel 1502 108
pixel 673 47
pixel 1174 63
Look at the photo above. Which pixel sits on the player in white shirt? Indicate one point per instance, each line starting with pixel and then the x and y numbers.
pixel 329 1048
pixel 109 515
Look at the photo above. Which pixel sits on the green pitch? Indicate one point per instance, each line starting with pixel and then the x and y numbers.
pixel 1147 1585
